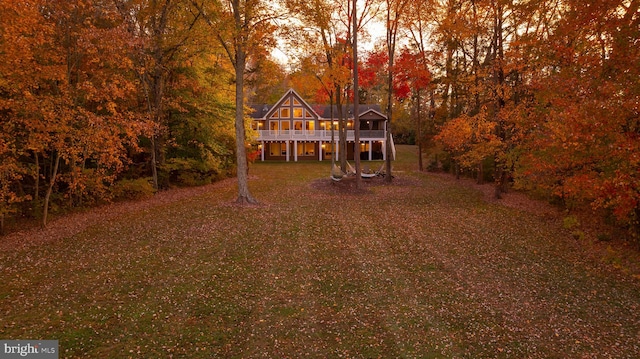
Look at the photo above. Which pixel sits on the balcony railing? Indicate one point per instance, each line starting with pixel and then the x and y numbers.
pixel 317 135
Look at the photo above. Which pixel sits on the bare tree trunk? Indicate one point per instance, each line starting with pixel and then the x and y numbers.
pixel 356 100
pixel 419 132
pixel 36 194
pixel 154 162
pixel 342 133
pixel 158 94
pixel 52 182
pixel 244 196
pixel 499 102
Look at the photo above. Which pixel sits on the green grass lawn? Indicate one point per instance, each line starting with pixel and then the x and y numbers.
pixel 421 268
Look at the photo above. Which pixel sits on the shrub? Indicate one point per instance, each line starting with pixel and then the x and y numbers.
pixel 193 172
pixel 135 189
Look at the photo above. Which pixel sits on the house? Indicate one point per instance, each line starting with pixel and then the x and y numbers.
pixel 293 130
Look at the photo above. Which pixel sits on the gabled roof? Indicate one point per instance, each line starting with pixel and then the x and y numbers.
pixel 367 112
pixel 291 97
pixel 325 111
pixel 372 114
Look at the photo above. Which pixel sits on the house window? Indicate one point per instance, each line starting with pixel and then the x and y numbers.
pixel 306 149
pixel 285 126
pixel 310 126
pixel 297 112
pixel 309 149
pixel 278 149
pixel 273 126
pixel 326 125
pixel 285 113
pixel 297 127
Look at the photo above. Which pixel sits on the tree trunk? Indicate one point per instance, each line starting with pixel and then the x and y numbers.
pixel 36 194
pixel 499 102
pixel 154 162
pixel 388 176
pixel 419 132
pixel 342 135
pixel 158 94
pixel 244 196
pixel 52 182
pixel 356 101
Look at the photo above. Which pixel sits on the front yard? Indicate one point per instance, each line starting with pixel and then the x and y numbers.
pixel 425 267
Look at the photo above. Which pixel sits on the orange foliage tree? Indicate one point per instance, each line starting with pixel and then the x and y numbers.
pixel 584 143
pixel 552 89
pixel 68 99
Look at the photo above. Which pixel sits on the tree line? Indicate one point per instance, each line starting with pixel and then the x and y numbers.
pixel 109 99
pixel 541 95
pixel 103 98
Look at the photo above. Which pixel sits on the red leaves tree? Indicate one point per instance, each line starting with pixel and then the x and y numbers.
pixel 558 85
pixel 583 146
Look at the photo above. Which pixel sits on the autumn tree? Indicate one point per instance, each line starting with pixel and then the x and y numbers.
pixel 23 35
pixel 310 79
pixel 553 83
pixel 267 81
pixel 168 34
pixel 84 83
pixel 75 122
pixel 394 11
pixel 202 136
pixel 327 33
pixel 245 29
pixel 412 83
pixel 583 138
pixel 328 26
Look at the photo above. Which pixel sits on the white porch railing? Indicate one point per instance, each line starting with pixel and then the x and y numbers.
pixel 315 135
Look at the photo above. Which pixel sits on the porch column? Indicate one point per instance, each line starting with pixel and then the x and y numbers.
pixel 295 150
pixel 370 150
pixel 320 151
pixel 262 151
pixel 287 145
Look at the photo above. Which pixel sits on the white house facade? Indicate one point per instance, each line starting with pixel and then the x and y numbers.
pixel 293 130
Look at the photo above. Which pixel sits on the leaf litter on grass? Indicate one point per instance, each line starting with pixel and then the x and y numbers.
pixel 424 267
